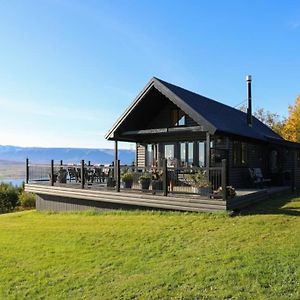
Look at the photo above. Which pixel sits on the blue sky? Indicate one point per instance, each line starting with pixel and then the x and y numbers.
pixel 68 69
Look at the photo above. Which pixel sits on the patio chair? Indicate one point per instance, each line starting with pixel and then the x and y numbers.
pixel 62 175
pixel 99 174
pixel 73 174
pixel 89 175
pixel 54 177
pixel 257 178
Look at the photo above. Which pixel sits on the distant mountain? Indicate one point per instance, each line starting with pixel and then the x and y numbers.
pixel 68 155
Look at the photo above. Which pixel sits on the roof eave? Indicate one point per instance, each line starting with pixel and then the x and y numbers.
pixel 172 97
pixel 184 107
pixel 109 135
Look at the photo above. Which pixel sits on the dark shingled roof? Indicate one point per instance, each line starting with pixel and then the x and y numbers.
pixel 223 117
pixel 213 115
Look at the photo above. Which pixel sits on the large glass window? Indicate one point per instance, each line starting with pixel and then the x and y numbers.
pixel 190 153
pixel 239 154
pixel 201 147
pixel 169 155
pixel 149 156
pixel 177 117
pixel 182 154
pixel 186 153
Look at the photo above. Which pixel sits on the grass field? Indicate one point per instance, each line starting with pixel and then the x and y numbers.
pixel 152 255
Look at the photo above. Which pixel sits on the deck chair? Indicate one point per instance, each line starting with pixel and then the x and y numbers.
pixel 257 177
pixel 99 174
pixel 62 175
pixel 73 175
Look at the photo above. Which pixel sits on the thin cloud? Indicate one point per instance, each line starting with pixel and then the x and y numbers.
pixel 294 25
pixel 46 110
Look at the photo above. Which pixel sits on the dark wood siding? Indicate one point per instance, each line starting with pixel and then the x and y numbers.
pixel 239 176
pixel 141 155
pixel 296 171
pixel 190 122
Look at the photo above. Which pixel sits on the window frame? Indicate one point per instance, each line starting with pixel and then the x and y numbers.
pixel 177 116
pixel 239 154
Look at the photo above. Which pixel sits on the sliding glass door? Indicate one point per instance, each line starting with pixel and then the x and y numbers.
pixel 186 153
pixel 169 153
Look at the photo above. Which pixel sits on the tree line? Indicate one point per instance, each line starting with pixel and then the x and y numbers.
pixel 288 128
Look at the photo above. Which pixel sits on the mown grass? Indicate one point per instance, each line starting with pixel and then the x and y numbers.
pixel 152 255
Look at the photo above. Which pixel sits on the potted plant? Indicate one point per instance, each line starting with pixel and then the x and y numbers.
pixel 127 179
pixel 200 183
pixel 62 175
pixel 157 184
pixel 144 181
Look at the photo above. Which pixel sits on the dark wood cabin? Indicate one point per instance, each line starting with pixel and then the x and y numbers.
pixel 167 121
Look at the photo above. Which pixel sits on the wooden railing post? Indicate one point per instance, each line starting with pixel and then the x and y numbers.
pixel 27 171
pixel 52 172
pixel 224 179
pixel 118 176
pixel 165 177
pixel 82 174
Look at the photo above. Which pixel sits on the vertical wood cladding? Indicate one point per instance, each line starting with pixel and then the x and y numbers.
pixel 256 157
pixel 297 169
pixel 141 155
pixel 60 204
pixel 190 122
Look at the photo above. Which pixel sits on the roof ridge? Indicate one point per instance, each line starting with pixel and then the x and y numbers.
pixel 195 93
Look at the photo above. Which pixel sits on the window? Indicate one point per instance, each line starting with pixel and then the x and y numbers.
pixel 190 153
pixel 201 147
pixel 177 117
pixel 182 154
pixel 169 155
pixel 149 157
pixel 216 156
pixel 186 153
pixel 239 154
pixel 298 159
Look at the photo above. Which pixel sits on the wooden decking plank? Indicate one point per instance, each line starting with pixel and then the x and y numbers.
pixel 117 198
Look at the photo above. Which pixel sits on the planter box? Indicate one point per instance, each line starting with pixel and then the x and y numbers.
pixel 157 185
pixel 111 182
pixel 145 184
pixel 127 184
pixel 203 191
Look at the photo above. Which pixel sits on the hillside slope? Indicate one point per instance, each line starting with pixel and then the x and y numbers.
pixel 68 155
pixel 152 255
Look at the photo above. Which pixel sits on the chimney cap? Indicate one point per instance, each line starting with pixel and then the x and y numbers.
pixel 248 78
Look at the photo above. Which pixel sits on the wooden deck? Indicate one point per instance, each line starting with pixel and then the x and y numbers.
pixel 72 198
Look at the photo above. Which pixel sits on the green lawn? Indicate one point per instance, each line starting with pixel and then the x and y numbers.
pixel 152 255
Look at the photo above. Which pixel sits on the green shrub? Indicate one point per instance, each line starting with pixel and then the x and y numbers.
pixel 127 176
pixel 27 200
pixel 8 197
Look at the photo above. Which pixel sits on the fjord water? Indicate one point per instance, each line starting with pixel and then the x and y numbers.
pixel 15 182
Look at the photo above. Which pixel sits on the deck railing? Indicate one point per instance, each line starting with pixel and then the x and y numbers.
pixel 156 180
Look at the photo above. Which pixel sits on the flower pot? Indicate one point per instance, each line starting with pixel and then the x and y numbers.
pixel 145 184
pixel 157 185
pixel 203 191
pixel 111 182
pixel 128 184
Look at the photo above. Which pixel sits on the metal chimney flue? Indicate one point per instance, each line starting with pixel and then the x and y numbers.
pixel 249 98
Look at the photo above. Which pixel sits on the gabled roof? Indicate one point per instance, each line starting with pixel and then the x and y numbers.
pixel 213 115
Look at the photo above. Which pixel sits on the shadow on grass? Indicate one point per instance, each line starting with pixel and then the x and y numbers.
pixel 288 204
